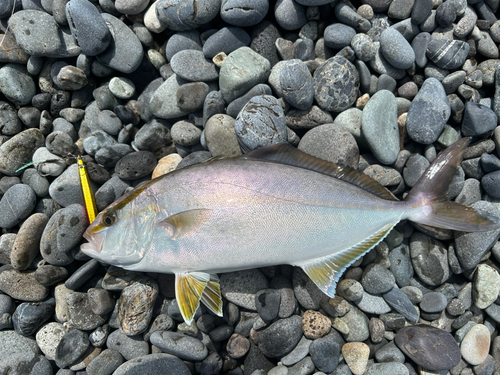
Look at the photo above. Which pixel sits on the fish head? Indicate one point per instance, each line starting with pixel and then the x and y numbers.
pixel 122 233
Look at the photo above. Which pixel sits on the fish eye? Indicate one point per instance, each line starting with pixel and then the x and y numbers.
pixel 109 218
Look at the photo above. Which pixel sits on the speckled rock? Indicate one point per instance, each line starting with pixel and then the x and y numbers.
pixel 48 337
pixel 22 285
pixel 336 83
pixel 486 286
pixel 315 324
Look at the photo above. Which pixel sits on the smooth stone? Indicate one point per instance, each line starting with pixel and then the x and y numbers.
pixel 38 34
pixel 16 204
pixel 97 140
pixel 10 52
pixel 377 279
pixel 122 88
pixel 390 368
pixel 49 275
pixel 428 113
pixel 241 70
pixel 486 286
pixel 71 348
pixel 153 364
pixel 109 192
pixel 152 136
pixel 400 302
pixel 476 344
pixel 183 40
pixel 125 51
pixel 401 265
pixel 267 303
pixel 379 126
pixel 356 356
pixel 325 353
pixel 60 143
pixel 163 103
pixel 477 120
pixel 240 287
pixel 82 275
pixel 429 258
pixel 167 164
pixel 280 337
pixel 180 16
pixel 297 84
pixel 48 337
pixel 289 14
pixel 135 165
pixel 105 363
pixel 381 66
pixel 191 96
pixel 298 353
pixel 336 83
pixel 39 184
pixel 389 353
pixel 338 35
pixel 237 346
pixel 135 307
pixel 19 150
pixel 447 54
pixel 193 66
pixel 260 123
pixel 363 47
pixel 243 13
pixel 429 347
pixel 433 302
pixel 16 84
pixel 227 40
pixel 372 304
pixel 331 142
pixel 471 247
pixel 358 325
pixel 396 49
pixel 490 183
pixel 101 301
pixel 234 108
pixel 129 347
pixel 349 16
pixel 88 27
pixel 27 243
pixel 180 345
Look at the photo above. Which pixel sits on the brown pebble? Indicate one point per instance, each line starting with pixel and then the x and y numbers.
pixel 27 244
pixel 315 325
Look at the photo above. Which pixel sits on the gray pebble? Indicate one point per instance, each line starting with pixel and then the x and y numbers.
pixel 30 316
pixel 401 304
pixel 109 122
pixel 66 188
pixel 338 35
pixel 71 348
pixel 128 347
pixel 401 265
pixel 180 345
pixel 26 245
pixel 105 363
pixel 331 142
pixel 297 84
pixel 414 169
pixel 183 40
pixel 80 314
pixel 372 304
pixel 237 105
pixel 243 12
pixel 429 258
pixel 358 325
pixel 150 364
pixel 227 40
pixel 191 96
pixel 325 353
pixel 88 27
pixel 16 204
pixel 306 292
pixel 289 14
pixel 349 16
pixel 448 54
pixel 280 337
pixel 150 137
pixel 477 120
pixel 241 70
pixel 193 66
pixel 26 362
pixel 267 303
pixel 396 49
pixel 13 343
pixel 10 122
pixel 163 103
pixel 82 275
pixel 260 123
pixel 49 275
pixel 18 150
pixel 379 126
pixel 381 66
pixel 180 16
pixel 377 279
pixel 389 353
pixel 126 52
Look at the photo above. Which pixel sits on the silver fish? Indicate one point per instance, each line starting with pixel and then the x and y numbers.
pixel 275 205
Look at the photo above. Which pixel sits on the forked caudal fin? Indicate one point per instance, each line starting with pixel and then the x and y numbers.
pixel 434 208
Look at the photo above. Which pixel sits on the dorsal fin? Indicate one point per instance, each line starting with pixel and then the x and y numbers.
pixel 289 155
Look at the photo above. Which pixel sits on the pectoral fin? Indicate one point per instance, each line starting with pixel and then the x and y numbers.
pixel 192 287
pixel 186 223
pixel 326 271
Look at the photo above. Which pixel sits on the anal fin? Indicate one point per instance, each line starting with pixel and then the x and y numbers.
pixel 326 271
pixel 193 287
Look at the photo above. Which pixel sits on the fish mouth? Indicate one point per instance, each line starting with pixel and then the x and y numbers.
pixel 94 245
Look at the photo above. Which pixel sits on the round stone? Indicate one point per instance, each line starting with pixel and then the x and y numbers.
pixel 71 348
pixel 356 356
pixel 486 286
pixel 475 345
pixel 226 40
pixel 433 302
pixel 447 54
pixel 135 165
pixel 315 324
pixel 19 150
pixel 280 337
pixel 16 204
pixel 261 123
pixel 377 279
pixel 325 353
pixel 331 142
pixel 129 347
pixel 237 346
pixel 220 136
pixel 122 88
pixel 336 84
pixel 16 84
pixel 179 15
pixel 396 49
pixel 338 35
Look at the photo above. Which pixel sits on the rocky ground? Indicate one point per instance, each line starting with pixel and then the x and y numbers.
pixel 140 88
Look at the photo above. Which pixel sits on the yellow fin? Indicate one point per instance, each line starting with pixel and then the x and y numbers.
pixel 189 288
pixel 186 223
pixel 326 271
pixel 211 296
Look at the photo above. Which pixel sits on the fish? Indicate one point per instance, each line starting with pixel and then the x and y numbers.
pixel 271 206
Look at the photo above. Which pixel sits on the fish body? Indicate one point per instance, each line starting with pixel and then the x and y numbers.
pixel 269 207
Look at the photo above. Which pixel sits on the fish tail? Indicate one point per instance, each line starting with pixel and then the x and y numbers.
pixel 429 204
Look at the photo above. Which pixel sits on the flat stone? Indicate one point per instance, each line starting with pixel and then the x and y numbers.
pixel 71 348
pixel 400 302
pixel 22 285
pixel 476 344
pixel 227 40
pixel 429 347
pixel 193 66
pixel 19 150
pixel 163 103
pixel 13 343
pixel 358 325
pixel 325 353
pixel 129 347
pixel 396 49
pixel 16 84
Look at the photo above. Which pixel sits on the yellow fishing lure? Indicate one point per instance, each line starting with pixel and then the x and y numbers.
pixel 88 194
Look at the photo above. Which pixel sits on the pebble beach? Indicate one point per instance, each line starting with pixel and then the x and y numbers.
pixel 139 88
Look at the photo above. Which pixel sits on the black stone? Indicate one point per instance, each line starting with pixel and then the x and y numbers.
pixel 71 348
pixel 135 165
